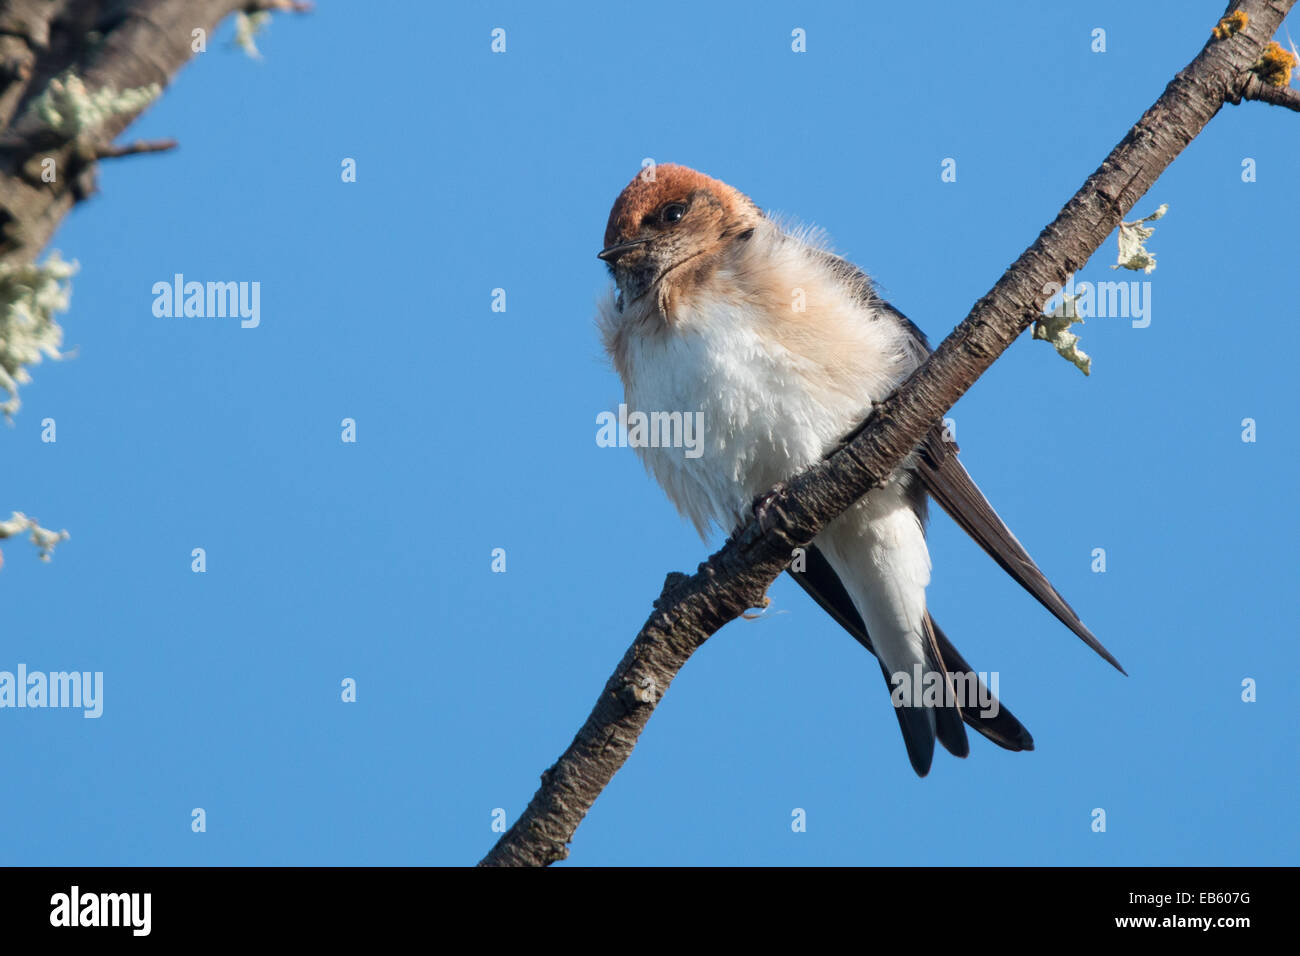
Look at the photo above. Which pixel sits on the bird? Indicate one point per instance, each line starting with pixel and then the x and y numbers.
pixel 780 348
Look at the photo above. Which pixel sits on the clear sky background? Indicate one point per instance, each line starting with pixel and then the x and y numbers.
pixel 476 430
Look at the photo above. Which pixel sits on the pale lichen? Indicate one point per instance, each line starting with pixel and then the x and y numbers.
pixel 1055 328
pixel 44 539
pixel 247 27
pixel 1132 253
pixel 31 296
pixel 69 108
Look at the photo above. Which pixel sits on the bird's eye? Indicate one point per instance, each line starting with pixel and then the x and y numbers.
pixel 672 213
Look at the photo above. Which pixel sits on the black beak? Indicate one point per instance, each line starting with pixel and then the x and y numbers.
pixel 612 253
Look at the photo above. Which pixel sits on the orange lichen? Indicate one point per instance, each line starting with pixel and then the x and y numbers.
pixel 1274 65
pixel 1231 24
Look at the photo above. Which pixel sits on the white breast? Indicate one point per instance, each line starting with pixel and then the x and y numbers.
pixel 774 388
pixel 761 420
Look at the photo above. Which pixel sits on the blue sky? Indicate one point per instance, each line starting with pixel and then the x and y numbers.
pixel 476 430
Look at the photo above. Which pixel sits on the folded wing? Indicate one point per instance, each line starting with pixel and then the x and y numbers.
pixel 949 484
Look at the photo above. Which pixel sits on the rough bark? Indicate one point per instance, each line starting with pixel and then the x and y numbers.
pixel 125 44
pixel 736 578
pixel 1251 87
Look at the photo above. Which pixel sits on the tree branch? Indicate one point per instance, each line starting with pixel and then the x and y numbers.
pixel 737 577
pixel 1251 87
pixel 113 150
pixel 293 6
pixel 125 45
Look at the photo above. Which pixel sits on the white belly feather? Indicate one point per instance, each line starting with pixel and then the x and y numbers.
pixel 759 425
pixel 774 395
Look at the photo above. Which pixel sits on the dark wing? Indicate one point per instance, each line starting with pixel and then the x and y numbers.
pixel 951 486
pixel 948 483
pixel 823 585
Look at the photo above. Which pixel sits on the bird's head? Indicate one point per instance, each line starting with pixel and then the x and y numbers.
pixel 672 224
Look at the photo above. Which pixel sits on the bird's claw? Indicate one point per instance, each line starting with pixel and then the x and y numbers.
pixel 764 506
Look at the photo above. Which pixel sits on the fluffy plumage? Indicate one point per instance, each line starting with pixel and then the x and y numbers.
pixel 784 347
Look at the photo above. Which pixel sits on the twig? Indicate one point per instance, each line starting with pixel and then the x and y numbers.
pixel 1251 87
pixel 292 6
pixel 113 150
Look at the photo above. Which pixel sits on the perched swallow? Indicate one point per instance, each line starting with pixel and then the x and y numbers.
pixel 784 347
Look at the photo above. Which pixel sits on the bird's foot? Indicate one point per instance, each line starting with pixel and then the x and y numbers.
pixel 764 507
